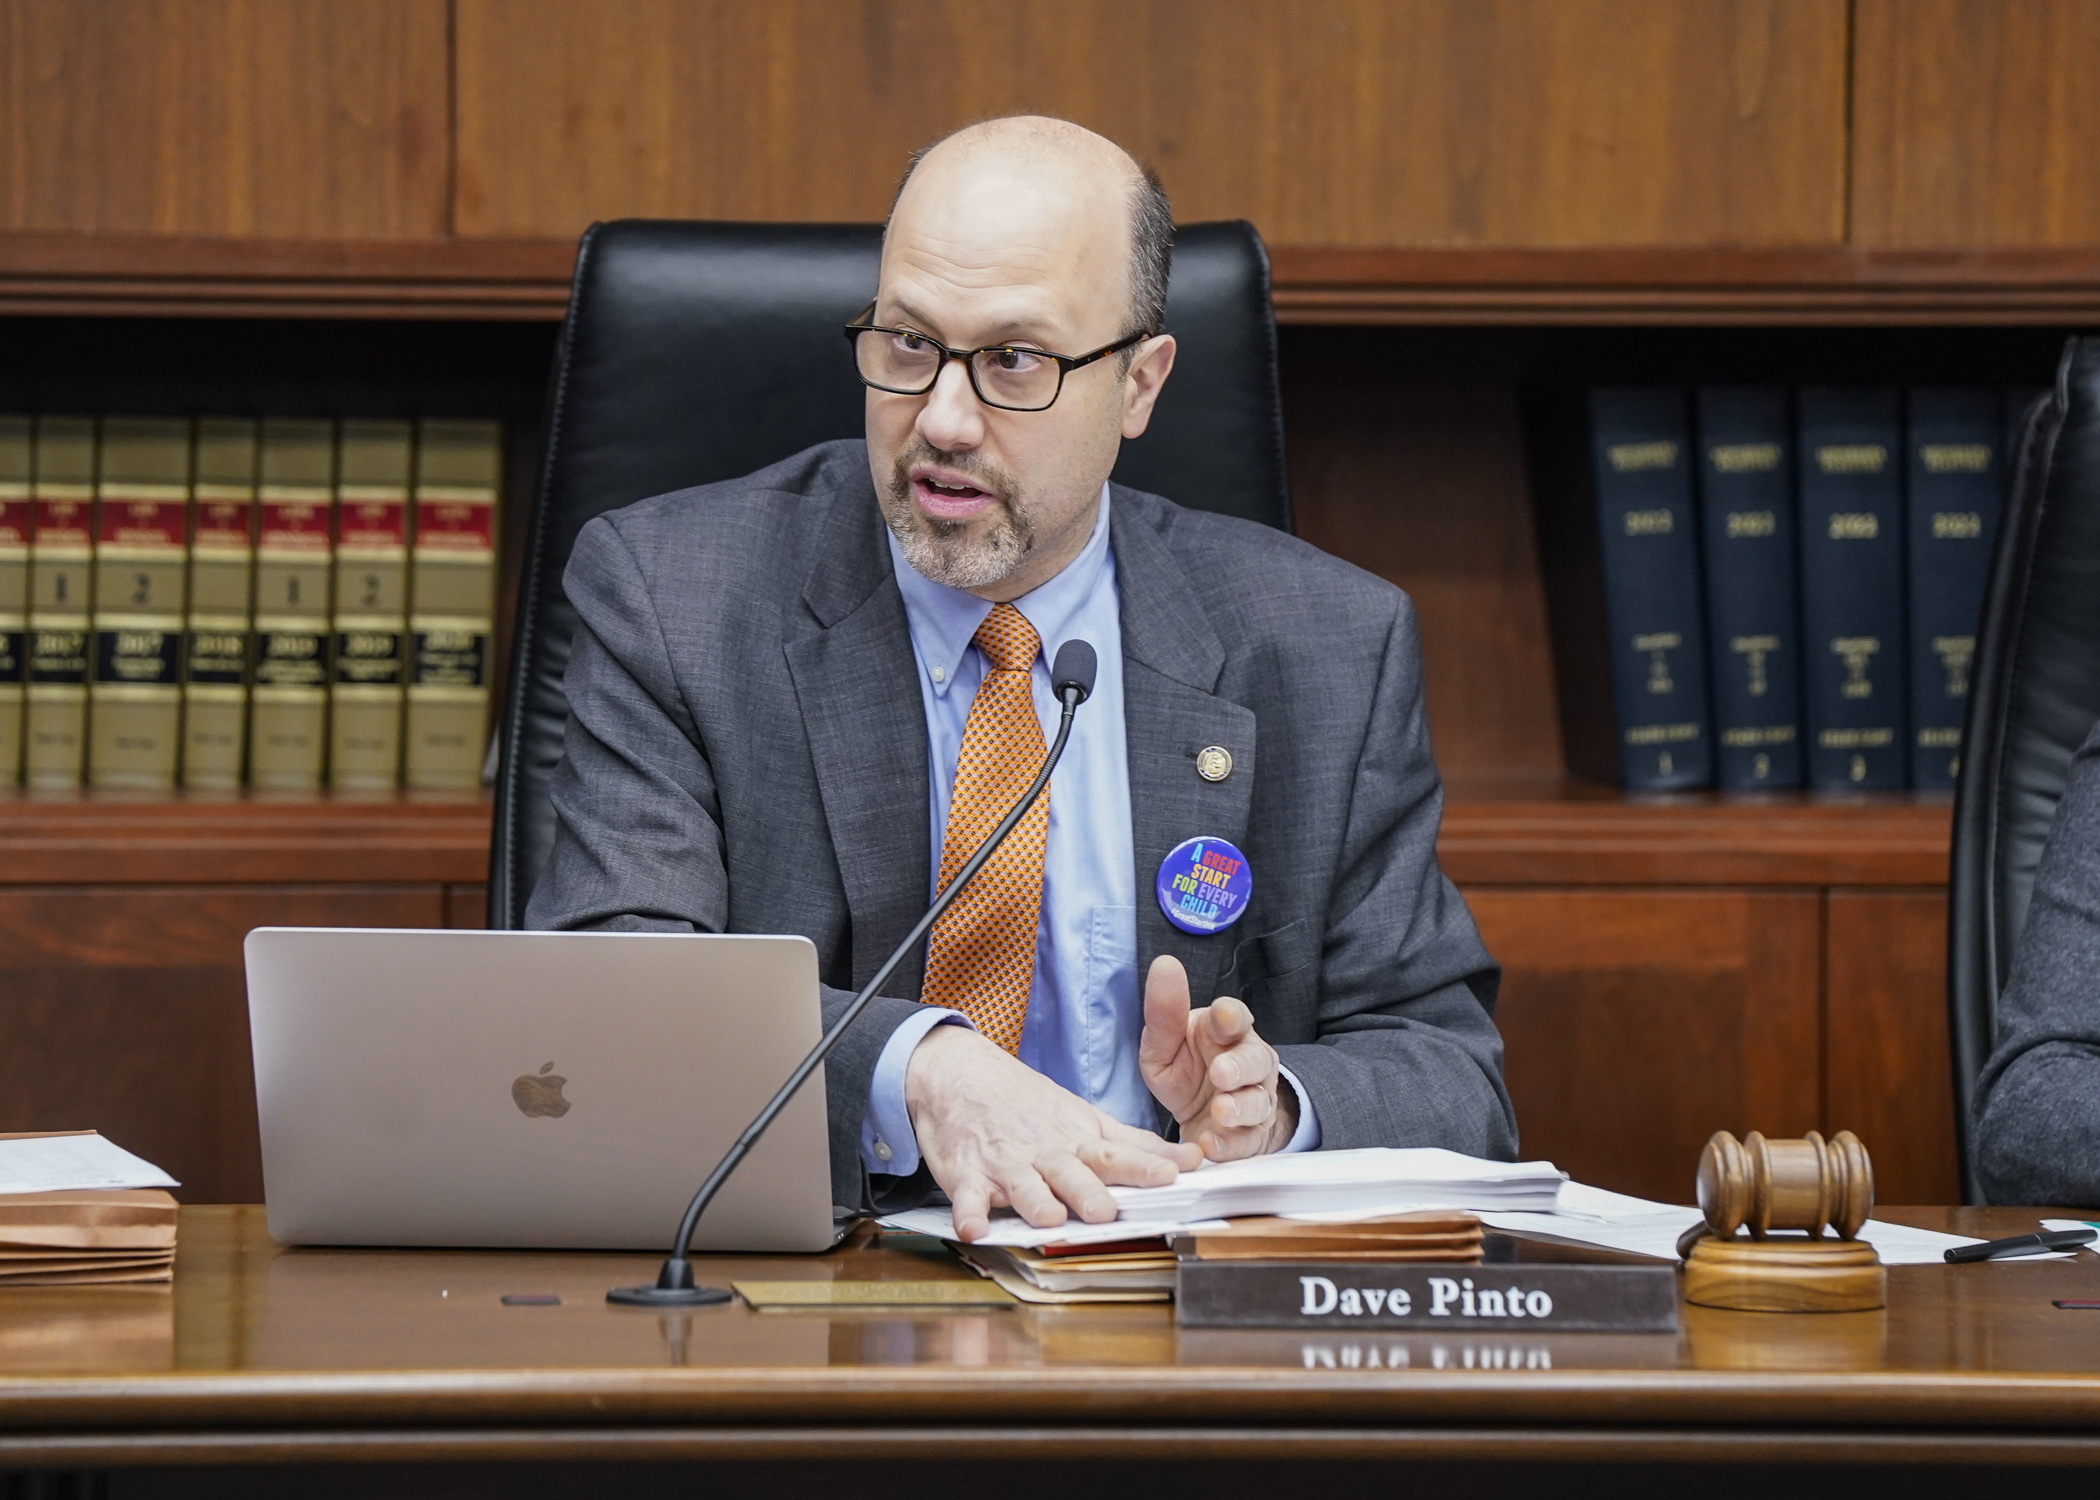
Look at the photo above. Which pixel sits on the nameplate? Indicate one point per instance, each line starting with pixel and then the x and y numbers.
pixel 1508 1298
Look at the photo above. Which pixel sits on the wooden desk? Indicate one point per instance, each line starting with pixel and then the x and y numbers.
pixel 265 1356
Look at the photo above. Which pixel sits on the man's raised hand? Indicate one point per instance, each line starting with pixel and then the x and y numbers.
pixel 1209 1068
pixel 996 1133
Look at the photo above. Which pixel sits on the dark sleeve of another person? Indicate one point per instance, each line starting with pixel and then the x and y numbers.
pixel 2038 1105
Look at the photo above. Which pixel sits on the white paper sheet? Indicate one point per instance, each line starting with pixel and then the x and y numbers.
pixel 1009 1228
pixel 60 1163
pixel 1613 1221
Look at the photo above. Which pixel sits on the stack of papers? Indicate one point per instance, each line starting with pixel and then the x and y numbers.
pixel 1440 1235
pixel 1116 1271
pixel 1336 1186
pixel 76 1210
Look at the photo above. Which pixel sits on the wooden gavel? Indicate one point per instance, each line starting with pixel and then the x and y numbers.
pixel 1810 1184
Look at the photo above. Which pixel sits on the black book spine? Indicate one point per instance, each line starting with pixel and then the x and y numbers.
pixel 1956 456
pixel 1642 458
pixel 1746 515
pixel 1854 668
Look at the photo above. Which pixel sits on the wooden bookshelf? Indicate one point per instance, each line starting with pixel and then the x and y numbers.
pixel 528 279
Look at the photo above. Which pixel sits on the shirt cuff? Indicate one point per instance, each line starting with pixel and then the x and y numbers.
pixel 888 1145
pixel 1307 1136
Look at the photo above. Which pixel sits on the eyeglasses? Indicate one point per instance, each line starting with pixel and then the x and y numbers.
pixel 1012 377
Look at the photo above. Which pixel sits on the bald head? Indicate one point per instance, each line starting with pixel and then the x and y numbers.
pixel 1013 241
pixel 1057 169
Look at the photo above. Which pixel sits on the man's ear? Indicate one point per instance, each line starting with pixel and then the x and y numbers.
pixel 1148 372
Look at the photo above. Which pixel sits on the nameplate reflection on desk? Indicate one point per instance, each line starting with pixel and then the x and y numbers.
pixel 1487 1352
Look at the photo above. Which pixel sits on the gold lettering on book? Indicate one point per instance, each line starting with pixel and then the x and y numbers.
pixel 1854 526
pixel 1756 648
pixel 1659 645
pixel 1751 739
pixel 1955 458
pixel 1939 739
pixel 1852 458
pixel 1659 522
pixel 1662 734
pixel 1628 458
pixel 1956 525
pixel 1743 458
pixel 1855 739
pixel 1858 653
pixel 1751 523
pixel 1955 653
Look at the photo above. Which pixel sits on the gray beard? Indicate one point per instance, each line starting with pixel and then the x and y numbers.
pixel 945 551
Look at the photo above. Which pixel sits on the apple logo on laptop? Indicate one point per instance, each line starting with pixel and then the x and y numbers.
pixel 541 1094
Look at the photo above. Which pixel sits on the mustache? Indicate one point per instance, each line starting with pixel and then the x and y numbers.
pixel 990 478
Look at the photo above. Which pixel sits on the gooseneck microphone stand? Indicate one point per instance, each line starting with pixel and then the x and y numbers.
pixel 1072 679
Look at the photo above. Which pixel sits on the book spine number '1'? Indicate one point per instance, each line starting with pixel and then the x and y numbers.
pixel 288 714
pixel 1641 455
pixel 61 558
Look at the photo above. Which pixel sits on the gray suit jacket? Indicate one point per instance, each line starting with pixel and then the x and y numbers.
pixel 747 752
pixel 2038 1103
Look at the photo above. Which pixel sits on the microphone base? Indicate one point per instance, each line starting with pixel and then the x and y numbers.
pixel 672 1296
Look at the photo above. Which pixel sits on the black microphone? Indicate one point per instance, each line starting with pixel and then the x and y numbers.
pixel 1072 679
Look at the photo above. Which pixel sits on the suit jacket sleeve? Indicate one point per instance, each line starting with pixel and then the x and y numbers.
pixel 638 838
pixel 1407 1052
pixel 2038 1102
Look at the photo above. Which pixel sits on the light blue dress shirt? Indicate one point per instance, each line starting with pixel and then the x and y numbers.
pixel 1085 1007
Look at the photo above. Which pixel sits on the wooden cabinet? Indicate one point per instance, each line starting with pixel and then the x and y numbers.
pixel 123 1007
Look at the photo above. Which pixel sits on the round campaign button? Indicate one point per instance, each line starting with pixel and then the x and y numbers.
pixel 1204 885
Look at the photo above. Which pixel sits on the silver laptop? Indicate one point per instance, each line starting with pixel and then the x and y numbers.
pixel 545 1090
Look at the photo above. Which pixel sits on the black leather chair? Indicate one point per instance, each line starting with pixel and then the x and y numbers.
pixel 695 352
pixel 2034 695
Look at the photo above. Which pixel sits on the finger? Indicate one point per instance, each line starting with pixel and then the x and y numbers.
pixel 1130 1166
pixel 1073 1181
pixel 1183 1154
pixel 1251 1060
pixel 1227 1019
pixel 1032 1198
pixel 970 1206
pixel 1231 1145
pixel 1243 1108
pixel 1166 1011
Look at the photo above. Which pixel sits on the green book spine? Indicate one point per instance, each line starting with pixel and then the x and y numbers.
pixel 141 587
pixel 371 605
pixel 218 633
pixel 61 585
pixel 452 602
pixel 288 712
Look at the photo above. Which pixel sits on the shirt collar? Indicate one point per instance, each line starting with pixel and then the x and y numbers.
pixel 943 620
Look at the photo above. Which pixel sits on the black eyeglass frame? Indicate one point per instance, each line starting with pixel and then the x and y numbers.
pixel 1066 363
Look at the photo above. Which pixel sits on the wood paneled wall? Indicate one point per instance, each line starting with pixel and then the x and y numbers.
pixel 226 117
pixel 1976 122
pixel 1346 122
pixel 1327 122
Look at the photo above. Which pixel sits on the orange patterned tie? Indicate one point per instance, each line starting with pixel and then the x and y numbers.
pixel 980 959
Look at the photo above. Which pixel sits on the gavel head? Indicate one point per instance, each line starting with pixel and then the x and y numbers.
pixel 1809 1184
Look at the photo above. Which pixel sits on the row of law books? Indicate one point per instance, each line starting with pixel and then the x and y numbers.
pixel 1793 578
pixel 288 603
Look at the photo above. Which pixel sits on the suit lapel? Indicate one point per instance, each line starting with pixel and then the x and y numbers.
pixel 1172 661
pixel 859 694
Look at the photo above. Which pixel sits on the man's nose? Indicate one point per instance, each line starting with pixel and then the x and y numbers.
pixel 952 418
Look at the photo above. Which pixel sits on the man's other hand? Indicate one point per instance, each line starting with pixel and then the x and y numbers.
pixel 1210 1069
pixel 996 1133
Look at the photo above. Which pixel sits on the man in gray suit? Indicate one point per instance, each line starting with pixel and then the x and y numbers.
pixel 797 698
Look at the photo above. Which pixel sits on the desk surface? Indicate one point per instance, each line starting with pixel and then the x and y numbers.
pixel 274 1354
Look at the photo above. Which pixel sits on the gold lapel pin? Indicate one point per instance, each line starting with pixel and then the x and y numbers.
pixel 1214 763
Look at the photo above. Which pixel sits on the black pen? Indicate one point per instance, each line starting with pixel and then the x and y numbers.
pixel 2025 1244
